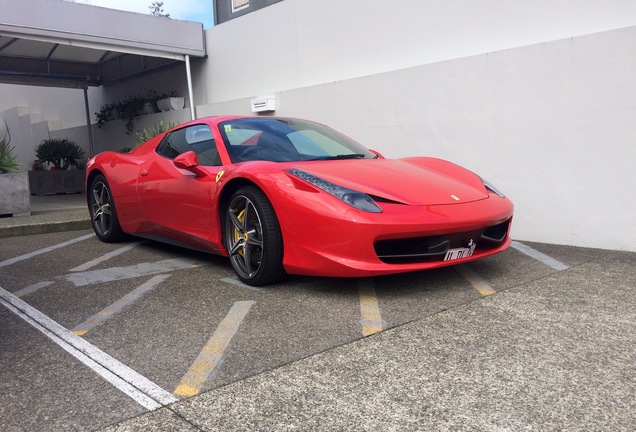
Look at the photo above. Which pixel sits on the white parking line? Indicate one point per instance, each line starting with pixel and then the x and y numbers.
pixel 236 281
pixel 545 259
pixel 143 269
pixel 139 388
pixel 32 288
pixel 109 311
pixel 105 257
pixel 45 250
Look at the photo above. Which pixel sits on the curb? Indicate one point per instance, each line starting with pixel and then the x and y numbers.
pixel 45 222
pixel 24 230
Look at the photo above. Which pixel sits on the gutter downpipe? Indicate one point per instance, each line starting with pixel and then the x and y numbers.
pixel 190 93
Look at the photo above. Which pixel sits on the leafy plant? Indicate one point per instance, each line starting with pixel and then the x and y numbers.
pixel 129 109
pixel 156 9
pixel 7 158
pixel 61 152
pixel 146 134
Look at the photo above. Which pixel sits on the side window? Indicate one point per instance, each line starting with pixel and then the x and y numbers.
pixel 173 144
pixel 196 138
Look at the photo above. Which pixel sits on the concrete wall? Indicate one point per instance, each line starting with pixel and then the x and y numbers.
pixel 300 43
pixel 38 113
pixel 25 130
pixel 538 97
pixel 64 107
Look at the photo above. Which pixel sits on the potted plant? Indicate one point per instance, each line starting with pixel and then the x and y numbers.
pixel 171 103
pixel 14 186
pixel 59 167
pixel 131 108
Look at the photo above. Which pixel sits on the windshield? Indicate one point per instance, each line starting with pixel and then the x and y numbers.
pixel 283 140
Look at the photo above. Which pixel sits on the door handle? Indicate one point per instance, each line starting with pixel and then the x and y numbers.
pixel 143 172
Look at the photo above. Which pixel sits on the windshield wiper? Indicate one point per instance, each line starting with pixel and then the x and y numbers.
pixel 342 156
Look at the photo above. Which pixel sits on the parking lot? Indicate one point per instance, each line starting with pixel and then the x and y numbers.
pixel 142 335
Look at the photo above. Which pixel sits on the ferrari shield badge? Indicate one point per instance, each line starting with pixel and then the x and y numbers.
pixel 219 175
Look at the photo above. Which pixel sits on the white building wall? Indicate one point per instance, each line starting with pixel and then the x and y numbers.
pixel 299 43
pixel 538 97
pixel 550 124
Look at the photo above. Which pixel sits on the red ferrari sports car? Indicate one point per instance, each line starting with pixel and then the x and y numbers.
pixel 287 196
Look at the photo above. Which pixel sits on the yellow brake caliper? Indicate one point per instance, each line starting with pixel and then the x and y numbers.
pixel 237 234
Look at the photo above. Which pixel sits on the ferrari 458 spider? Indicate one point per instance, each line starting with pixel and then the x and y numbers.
pixel 286 196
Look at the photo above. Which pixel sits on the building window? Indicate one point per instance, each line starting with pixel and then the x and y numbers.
pixel 237 5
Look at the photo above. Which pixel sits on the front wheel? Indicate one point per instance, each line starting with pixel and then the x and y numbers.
pixel 102 211
pixel 253 238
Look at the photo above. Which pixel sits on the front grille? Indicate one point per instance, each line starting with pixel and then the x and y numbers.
pixel 496 233
pixel 434 248
pixel 420 249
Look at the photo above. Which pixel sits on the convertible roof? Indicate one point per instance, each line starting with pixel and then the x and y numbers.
pixel 64 44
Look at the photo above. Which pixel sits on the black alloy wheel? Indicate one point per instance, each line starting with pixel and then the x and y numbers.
pixel 102 211
pixel 253 238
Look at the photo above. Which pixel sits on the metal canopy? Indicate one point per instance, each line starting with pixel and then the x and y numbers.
pixel 63 44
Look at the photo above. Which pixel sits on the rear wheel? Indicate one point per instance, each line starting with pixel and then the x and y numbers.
pixel 102 211
pixel 253 238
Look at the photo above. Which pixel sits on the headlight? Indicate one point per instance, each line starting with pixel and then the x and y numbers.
pixel 356 199
pixel 491 188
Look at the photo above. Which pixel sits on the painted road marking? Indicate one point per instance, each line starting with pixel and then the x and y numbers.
pixel 139 388
pixel 32 288
pixel 211 356
pixel 143 269
pixel 45 250
pixel 105 257
pixel 370 316
pixel 110 311
pixel 540 256
pixel 236 281
pixel 475 280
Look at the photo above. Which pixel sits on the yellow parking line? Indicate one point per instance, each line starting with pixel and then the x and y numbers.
pixel 370 317
pixel 211 356
pixel 475 280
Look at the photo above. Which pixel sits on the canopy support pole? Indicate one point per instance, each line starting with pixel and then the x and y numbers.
pixel 190 92
pixel 91 147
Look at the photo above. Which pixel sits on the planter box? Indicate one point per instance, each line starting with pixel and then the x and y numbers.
pixel 14 194
pixel 56 182
pixel 171 103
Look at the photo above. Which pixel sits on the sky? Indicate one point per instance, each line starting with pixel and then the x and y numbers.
pixel 191 10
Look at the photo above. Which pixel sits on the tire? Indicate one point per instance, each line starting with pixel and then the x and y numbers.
pixel 252 238
pixel 102 211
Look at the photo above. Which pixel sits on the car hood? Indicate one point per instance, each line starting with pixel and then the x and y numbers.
pixel 412 181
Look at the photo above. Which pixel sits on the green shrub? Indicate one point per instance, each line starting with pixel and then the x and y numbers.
pixel 130 108
pixel 61 152
pixel 159 128
pixel 7 158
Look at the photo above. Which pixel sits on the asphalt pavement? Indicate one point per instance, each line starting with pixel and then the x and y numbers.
pixel 556 352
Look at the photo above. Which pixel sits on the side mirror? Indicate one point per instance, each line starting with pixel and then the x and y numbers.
pixel 189 161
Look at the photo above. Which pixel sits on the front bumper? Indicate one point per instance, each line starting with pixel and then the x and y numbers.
pixel 324 241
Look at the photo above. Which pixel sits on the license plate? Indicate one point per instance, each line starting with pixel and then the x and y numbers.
pixel 453 254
